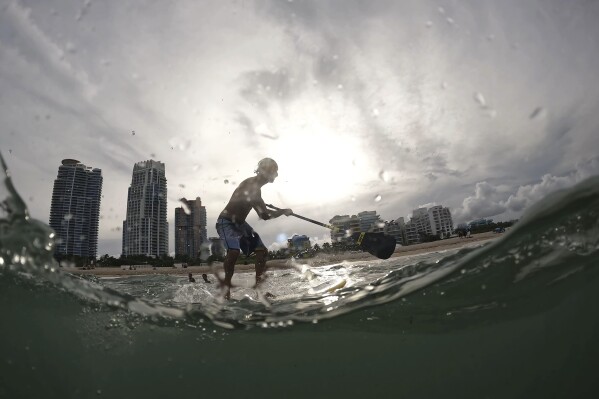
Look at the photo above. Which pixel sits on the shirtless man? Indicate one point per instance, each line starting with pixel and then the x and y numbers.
pixel 236 233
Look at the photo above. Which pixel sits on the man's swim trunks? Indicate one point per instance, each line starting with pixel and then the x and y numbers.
pixel 239 236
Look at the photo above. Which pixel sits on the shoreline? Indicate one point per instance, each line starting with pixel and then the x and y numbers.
pixel 319 260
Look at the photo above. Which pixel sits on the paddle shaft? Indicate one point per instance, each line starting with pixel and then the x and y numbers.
pixel 328 226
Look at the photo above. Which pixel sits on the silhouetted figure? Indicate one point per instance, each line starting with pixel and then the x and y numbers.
pixel 191 279
pixel 237 235
pixel 205 277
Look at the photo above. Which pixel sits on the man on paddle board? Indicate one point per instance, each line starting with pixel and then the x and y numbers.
pixel 236 233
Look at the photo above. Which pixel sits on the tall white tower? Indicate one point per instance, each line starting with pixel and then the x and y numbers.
pixel 145 229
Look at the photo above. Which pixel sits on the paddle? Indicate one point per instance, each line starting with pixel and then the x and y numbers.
pixel 377 244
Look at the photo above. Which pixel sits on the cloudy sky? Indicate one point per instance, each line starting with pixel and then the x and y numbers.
pixel 481 106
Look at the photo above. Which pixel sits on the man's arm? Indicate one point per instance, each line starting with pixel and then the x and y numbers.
pixel 277 213
pixel 266 213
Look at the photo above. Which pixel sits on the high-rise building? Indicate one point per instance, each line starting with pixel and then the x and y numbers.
pixel 190 228
pixel 344 225
pixel 370 222
pixel 441 221
pixel 434 221
pixel 75 209
pixel 145 229
pixel 419 226
pixel 397 230
pixel 366 221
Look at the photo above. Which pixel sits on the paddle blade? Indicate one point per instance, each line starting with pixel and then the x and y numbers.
pixel 378 244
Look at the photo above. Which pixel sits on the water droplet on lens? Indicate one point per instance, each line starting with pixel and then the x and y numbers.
pixel 429 24
pixel 377 198
pixel 182 185
pixel 478 97
pixel 185 206
pixel 384 176
pixel 179 143
pixel 539 112
pixel 132 132
pixel 68 216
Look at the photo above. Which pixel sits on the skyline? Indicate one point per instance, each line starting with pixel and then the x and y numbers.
pixel 482 107
pixel 172 251
pixel 191 212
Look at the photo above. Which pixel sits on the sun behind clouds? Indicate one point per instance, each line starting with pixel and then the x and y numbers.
pixel 318 165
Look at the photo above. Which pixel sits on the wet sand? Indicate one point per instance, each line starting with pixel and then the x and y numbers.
pixel 319 260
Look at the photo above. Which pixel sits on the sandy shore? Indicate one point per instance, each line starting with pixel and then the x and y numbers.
pixel 320 260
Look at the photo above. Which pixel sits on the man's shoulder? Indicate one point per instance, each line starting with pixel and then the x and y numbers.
pixel 250 182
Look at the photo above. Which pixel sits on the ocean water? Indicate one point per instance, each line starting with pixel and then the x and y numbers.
pixel 514 318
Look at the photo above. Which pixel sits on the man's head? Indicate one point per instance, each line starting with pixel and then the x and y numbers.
pixel 268 169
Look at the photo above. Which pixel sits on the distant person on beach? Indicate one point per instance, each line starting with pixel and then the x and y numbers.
pixel 205 277
pixel 237 235
pixel 191 279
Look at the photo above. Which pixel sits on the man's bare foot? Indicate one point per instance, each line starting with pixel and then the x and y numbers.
pixel 224 286
pixel 259 281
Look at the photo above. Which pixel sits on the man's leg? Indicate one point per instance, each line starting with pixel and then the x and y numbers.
pixel 260 265
pixel 229 265
pixel 261 268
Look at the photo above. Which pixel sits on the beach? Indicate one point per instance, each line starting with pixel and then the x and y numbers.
pixel 321 259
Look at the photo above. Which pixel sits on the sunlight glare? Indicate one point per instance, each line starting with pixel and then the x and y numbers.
pixel 317 165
